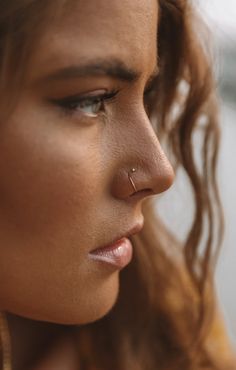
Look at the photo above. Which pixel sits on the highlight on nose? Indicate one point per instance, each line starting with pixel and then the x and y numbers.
pixel 164 175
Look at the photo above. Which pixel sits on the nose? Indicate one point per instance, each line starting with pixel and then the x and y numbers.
pixel 145 169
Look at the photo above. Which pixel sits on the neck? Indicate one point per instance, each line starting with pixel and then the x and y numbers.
pixel 31 340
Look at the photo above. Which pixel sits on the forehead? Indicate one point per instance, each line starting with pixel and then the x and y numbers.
pixel 98 28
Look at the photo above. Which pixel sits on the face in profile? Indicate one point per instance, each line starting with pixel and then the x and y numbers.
pixel 78 127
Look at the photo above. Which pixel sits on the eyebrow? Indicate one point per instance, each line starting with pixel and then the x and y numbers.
pixel 113 68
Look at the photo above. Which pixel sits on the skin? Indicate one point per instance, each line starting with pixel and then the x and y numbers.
pixel 64 187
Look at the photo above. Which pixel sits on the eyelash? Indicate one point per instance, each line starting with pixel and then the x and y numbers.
pixel 70 104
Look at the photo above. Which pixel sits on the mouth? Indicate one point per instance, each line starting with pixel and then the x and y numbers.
pixel 119 252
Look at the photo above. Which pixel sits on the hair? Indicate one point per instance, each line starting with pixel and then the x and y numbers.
pixel 161 319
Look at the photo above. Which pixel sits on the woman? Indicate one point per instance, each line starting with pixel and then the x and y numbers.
pixel 84 86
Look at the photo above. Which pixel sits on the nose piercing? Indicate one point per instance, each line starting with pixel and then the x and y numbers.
pixel 131 180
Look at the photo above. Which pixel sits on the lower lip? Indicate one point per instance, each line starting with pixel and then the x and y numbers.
pixel 118 254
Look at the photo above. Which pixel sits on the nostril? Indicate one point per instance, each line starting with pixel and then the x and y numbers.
pixel 142 193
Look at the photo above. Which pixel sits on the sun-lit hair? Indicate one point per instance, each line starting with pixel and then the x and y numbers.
pixel 166 297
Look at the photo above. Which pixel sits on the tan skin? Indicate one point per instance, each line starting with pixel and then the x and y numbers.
pixel 64 184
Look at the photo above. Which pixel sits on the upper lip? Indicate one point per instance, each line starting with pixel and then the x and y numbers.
pixel 132 231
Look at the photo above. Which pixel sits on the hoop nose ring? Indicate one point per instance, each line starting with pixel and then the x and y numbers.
pixel 133 170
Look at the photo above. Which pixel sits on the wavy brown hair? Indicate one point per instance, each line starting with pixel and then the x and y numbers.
pixel 166 296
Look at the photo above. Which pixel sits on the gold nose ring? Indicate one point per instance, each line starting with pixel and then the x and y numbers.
pixel 131 180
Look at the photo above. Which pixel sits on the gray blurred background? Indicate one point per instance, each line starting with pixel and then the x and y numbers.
pixel 221 17
pixel 175 206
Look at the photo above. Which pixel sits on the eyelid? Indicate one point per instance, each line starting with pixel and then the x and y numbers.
pixel 70 104
pixel 79 98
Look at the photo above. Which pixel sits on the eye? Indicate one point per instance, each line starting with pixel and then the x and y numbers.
pixel 90 105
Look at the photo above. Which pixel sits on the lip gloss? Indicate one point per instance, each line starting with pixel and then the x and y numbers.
pixel 118 254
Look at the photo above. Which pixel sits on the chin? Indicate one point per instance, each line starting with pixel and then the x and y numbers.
pixel 71 308
pixel 90 307
pixel 93 313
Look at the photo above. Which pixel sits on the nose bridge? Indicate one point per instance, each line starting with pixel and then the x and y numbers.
pixel 153 170
pixel 145 142
pixel 157 164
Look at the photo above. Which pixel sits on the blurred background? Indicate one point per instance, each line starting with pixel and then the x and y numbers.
pixel 221 19
pixel 220 16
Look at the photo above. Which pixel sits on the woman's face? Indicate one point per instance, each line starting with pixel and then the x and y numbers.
pixel 78 128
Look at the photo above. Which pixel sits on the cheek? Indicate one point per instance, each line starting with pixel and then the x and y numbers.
pixel 51 191
pixel 46 183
